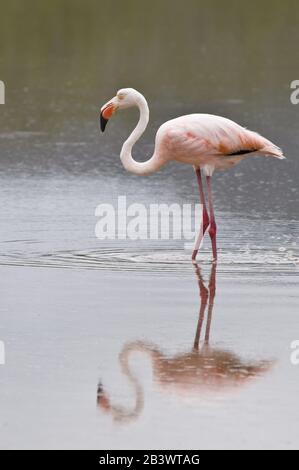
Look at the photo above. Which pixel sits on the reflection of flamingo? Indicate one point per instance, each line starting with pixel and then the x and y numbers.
pixel 205 141
pixel 203 369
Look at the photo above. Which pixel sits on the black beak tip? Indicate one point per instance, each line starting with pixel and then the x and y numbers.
pixel 103 122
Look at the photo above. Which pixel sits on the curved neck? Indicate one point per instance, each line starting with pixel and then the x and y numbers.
pixel 139 168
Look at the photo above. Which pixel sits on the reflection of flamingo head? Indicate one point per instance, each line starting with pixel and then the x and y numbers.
pixel 120 413
pixel 103 401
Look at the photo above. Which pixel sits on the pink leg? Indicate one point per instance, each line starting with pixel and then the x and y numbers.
pixel 205 216
pixel 213 228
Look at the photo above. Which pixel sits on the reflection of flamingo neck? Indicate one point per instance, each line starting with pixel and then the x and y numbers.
pixel 120 412
pixel 124 359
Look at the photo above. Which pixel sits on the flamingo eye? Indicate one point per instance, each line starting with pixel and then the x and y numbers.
pixel 120 96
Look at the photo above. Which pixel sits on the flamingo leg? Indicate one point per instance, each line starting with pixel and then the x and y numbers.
pixel 213 227
pixel 205 216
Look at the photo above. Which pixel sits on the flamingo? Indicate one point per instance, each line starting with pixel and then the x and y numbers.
pixel 206 141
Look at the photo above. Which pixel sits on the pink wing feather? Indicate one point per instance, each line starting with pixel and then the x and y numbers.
pixel 199 135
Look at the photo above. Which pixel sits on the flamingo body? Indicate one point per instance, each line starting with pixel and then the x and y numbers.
pixel 209 142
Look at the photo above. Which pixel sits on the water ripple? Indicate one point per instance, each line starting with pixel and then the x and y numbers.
pixel 257 260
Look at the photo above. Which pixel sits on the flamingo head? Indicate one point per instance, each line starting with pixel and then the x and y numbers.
pixel 124 98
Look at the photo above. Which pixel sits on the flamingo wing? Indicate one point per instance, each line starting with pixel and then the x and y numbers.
pixel 205 134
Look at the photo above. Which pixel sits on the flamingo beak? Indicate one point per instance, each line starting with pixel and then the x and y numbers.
pixel 106 112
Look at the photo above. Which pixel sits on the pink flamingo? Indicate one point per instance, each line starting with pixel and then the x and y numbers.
pixel 205 141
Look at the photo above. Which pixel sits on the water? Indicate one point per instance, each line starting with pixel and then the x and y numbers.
pixel 101 336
